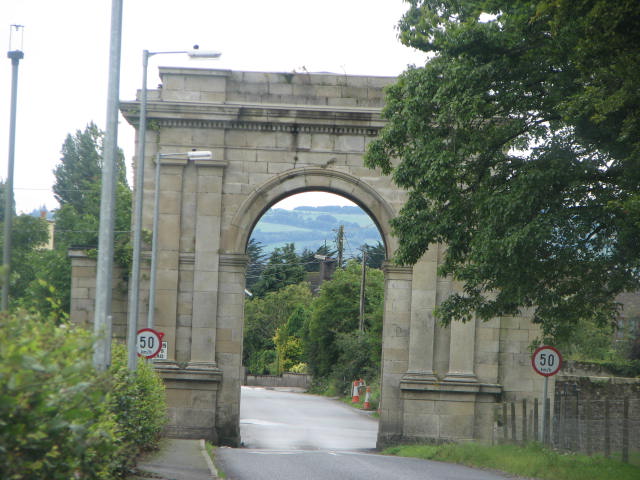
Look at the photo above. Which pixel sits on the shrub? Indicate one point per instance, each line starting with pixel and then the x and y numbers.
pixel 54 423
pixel 138 405
pixel 59 418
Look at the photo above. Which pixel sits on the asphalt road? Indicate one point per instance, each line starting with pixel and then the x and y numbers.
pixel 293 436
pixel 276 419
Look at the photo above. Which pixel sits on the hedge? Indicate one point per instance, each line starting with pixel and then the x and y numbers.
pixel 59 418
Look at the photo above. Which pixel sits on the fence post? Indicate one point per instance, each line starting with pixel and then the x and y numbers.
pixel 547 422
pixel 505 435
pixel 562 421
pixel 588 419
pixel 607 433
pixel 513 422
pixel 625 431
pixel 524 421
pixel 578 437
pixel 535 420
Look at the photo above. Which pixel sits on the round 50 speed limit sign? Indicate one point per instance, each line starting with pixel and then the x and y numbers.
pixel 546 361
pixel 148 342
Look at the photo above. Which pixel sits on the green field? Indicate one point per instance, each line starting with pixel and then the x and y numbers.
pixel 313 227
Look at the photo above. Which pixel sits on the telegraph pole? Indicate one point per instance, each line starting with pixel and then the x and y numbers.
pixel 340 244
pixel 363 283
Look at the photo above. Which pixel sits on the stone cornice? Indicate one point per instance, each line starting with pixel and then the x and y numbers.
pixel 429 385
pixel 392 270
pixel 271 118
pixel 238 260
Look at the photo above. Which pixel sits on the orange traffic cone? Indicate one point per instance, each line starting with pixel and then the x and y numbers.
pixel 355 396
pixel 367 399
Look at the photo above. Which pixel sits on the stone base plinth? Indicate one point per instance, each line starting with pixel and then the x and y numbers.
pixel 192 395
pixel 443 411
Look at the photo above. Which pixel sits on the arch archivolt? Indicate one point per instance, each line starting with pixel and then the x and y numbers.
pixel 236 236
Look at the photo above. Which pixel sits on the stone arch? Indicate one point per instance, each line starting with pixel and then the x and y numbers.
pixel 290 182
pixel 273 135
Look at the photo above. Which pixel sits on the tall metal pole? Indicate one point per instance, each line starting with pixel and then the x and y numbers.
pixel 102 311
pixel 545 425
pixel 134 292
pixel 15 56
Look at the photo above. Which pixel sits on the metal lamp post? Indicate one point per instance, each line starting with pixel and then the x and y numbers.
pixel 15 56
pixel 104 267
pixel 134 294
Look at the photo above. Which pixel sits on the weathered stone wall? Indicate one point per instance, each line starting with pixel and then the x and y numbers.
pixel 288 379
pixel 83 294
pixel 580 413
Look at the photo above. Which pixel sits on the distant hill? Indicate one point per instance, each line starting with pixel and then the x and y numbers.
pixel 313 227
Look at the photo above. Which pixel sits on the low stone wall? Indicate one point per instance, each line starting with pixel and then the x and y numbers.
pixel 299 380
pixel 590 416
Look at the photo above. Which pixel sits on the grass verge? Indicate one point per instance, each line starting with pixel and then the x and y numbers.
pixel 211 451
pixel 530 461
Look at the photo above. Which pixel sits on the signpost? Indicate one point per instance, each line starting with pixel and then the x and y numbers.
pixel 546 361
pixel 148 342
pixel 162 355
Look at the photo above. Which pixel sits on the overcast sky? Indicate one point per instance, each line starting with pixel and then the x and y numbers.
pixel 63 77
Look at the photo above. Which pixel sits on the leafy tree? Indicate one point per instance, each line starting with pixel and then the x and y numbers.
pixel 309 260
pixel 39 278
pixel 283 268
pixel 78 190
pixel 376 255
pixel 518 145
pixel 255 251
pixel 48 290
pixel 263 317
pixel 335 313
pixel 289 340
pixel 3 199
pixel 27 236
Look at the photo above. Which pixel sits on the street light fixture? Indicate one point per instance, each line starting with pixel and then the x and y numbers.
pixel 134 295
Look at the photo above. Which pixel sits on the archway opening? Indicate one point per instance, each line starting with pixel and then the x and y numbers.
pixel 313 307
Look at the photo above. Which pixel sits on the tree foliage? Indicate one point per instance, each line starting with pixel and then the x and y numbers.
pixel 518 145
pixel 78 190
pixel 283 268
pixel 263 317
pixel 289 340
pixel 255 251
pixel 309 260
pixel 29 260
pixel 376 255
pixel 335 313
pixel 60 418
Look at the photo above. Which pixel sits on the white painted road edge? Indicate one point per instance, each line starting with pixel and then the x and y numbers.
pixel 207 458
